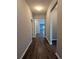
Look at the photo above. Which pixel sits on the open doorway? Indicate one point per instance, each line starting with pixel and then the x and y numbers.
pixel 38 26
pixel 42 26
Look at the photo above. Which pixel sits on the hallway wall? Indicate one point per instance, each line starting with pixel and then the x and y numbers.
pixel 37 26
pixel 48 19
pixel 59 22
pixel 24 27
pixel 59 42
pixel 54 22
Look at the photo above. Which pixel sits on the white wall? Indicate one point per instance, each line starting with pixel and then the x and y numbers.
pixel 54 22
pixel 57 18
pixel 48 19
pixel 37 26
pixel 59 42
pixel 24 27
pixel 33 27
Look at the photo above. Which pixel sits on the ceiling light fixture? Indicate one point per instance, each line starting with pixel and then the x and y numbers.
pixel 39 8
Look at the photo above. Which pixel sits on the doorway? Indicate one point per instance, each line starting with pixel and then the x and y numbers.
pixel 42 26
pixel 39 26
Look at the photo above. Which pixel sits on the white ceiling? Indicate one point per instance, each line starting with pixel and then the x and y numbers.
pixel 43 3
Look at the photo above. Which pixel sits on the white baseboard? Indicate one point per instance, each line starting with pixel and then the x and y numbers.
pixel 25 50
pixel 56 52
pixel 57 55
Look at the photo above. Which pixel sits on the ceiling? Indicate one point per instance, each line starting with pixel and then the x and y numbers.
pixel 42 4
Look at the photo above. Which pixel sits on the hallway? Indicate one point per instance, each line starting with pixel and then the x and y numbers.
pixel 39 29
pixel 40 50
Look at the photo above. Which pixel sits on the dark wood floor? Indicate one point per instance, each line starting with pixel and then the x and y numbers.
pixel 40 49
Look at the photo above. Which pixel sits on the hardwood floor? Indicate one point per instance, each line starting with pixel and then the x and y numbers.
pixel 39 49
